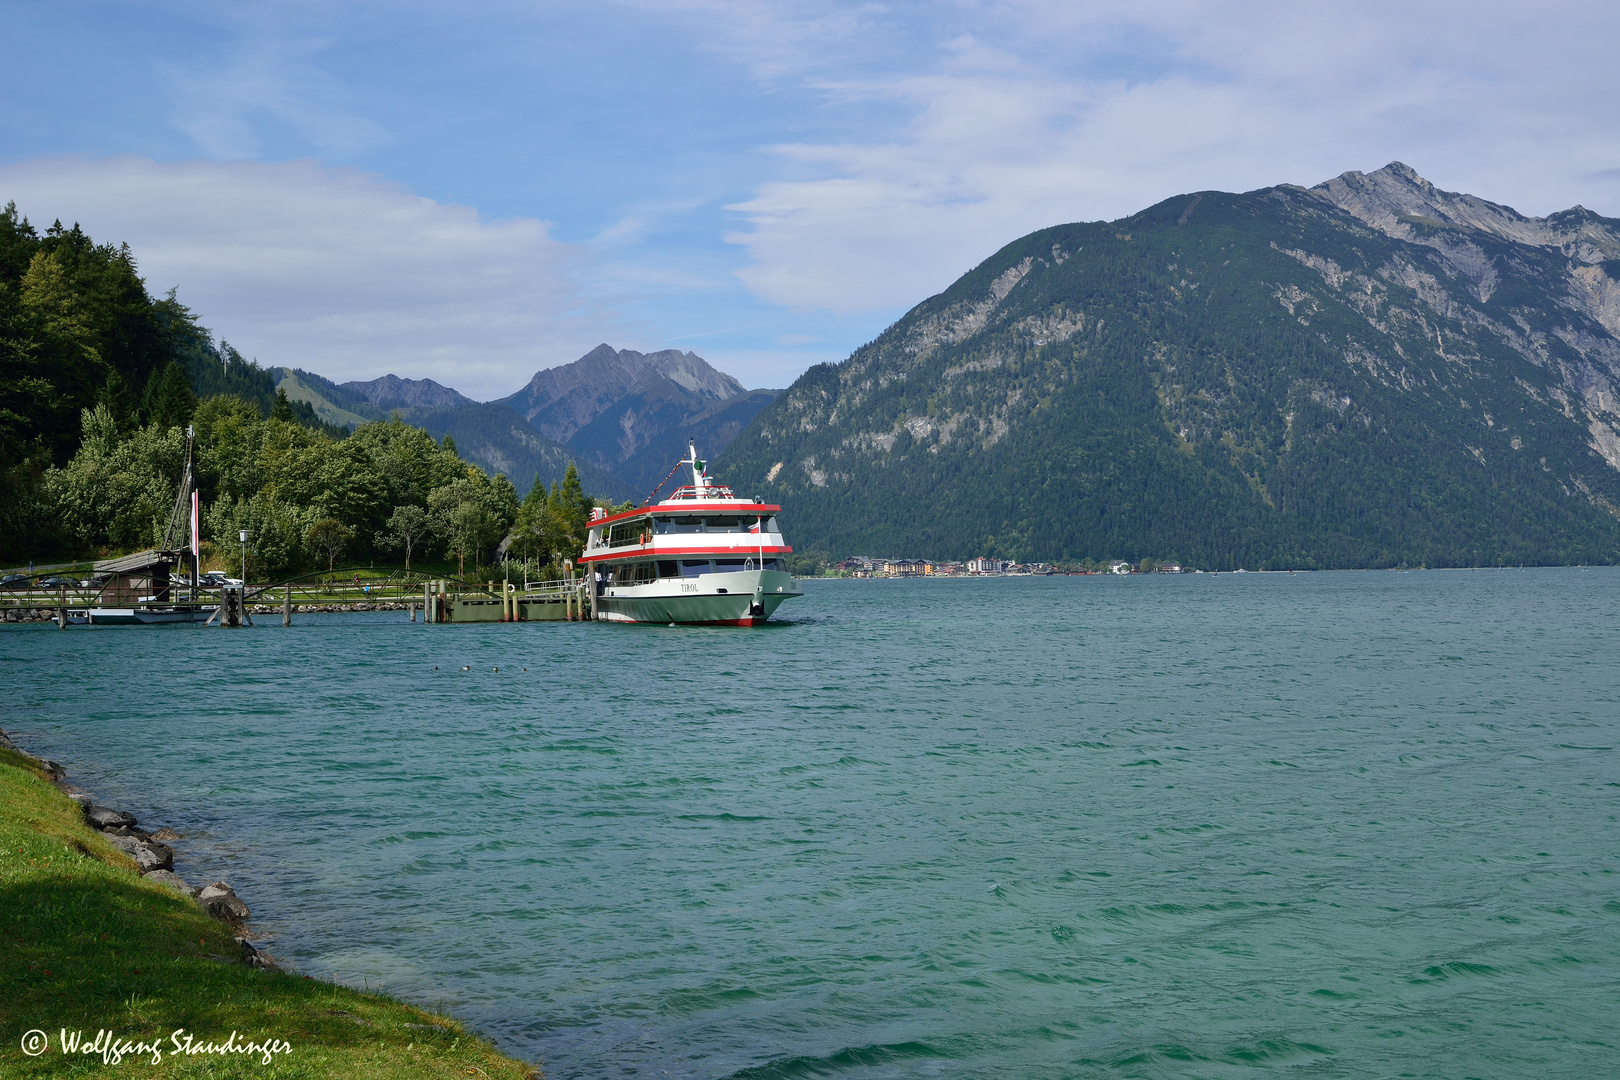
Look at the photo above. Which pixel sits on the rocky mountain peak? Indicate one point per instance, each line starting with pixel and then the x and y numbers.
pixel 561 400
pixel 1399 203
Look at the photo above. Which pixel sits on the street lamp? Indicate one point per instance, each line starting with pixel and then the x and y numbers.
pixel 242 536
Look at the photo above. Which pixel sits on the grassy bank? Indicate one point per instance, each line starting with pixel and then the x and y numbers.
pixel 87 944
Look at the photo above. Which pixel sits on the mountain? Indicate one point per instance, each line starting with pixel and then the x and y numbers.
pixel 559 401
pixel 645 433
pixel 492 437
pixel 1370 372
pixel 391 392
pixel 499 440
pixel 627 412
pixel 622 415
pixel 302 386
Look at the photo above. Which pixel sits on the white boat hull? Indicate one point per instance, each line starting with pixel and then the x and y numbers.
pixel 744 598
pixel 138 616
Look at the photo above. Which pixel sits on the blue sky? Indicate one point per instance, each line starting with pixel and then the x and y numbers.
pixel 474 192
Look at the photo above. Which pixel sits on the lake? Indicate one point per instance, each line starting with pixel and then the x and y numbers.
pixel 1351 824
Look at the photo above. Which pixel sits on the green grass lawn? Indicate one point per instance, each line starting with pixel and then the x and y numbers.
pixel 86 944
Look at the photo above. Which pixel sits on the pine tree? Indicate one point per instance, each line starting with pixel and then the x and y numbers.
pixel 283 408
pixel 169 400
pixel 120 403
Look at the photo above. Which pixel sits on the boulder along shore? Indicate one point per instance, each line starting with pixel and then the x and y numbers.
pixel 101 943
pixel 154 856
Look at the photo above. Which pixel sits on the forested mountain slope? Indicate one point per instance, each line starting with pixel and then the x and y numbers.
pixel 1371 372
pixel 500 441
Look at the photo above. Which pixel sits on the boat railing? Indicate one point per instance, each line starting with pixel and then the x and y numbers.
pixel 712 493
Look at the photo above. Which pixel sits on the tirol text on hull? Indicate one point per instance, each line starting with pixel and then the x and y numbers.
pixel 701 556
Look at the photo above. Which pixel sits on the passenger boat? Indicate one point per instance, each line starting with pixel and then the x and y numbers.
pixel 702 556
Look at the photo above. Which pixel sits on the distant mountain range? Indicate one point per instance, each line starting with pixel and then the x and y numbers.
pixel 621 415
pixel 1370 372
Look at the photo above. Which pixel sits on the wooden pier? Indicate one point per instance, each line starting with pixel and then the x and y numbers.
pixel 436 599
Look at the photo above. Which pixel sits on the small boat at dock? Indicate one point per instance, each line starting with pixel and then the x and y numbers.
pixel 702 556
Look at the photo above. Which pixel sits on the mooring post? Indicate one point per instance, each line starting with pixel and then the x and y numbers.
pixel 61 607
pixel 286 607
pixel 427 602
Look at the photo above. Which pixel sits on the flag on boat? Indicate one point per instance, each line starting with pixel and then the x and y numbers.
pixel 754 528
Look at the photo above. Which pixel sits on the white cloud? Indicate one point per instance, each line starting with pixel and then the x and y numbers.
pixel 334 271
pixel 1028 114
pixel 266 71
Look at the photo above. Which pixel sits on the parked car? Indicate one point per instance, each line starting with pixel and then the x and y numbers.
pixel 57 582
pixel 14 581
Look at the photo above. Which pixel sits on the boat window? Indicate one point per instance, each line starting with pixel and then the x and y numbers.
pixel 627 532
pixel 728 566
pixel 723 524
pixel 775 564
pixel 694 567
pixel 669 569
pixel 681 525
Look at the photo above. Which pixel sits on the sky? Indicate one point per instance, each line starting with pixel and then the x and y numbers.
pixel 471 193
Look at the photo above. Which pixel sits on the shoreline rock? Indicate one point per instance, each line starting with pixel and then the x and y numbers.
pixel 153 857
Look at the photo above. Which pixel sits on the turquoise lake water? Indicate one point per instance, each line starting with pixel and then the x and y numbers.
pixel 1196 826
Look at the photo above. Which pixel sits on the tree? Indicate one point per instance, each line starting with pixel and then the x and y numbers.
pixel 328 537
pixel 407 526
pixel 282 410
pixel 117 492
pixel 450 445
pixel 532 526
pixel 461 516
pixel 169 401
pixel 562 527
pixel 119 402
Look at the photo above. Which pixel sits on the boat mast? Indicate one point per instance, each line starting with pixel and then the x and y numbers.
pixel 181 518
pixel 700 475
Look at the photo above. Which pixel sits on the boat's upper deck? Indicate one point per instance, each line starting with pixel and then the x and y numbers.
pixel 710 524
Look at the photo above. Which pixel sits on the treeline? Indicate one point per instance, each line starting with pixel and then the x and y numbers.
pixel 98 381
